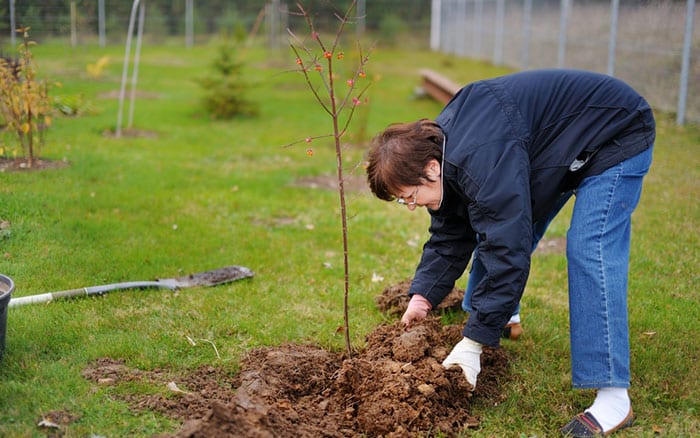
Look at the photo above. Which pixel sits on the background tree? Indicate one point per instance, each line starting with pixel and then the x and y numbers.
pixel 225 88
pixel 24 100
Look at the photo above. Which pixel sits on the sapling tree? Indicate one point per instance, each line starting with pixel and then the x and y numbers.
pixel 24 101
pixel 338 97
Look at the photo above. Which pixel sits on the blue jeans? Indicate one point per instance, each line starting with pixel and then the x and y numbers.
pixel 477 271
pixel 598 251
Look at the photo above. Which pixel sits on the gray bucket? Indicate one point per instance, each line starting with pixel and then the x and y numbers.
pixel 6 288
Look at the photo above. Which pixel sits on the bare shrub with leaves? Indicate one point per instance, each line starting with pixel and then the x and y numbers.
pixel 339 97
pixel 24 102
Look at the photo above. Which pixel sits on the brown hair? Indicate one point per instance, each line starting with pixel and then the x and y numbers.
pixel 399 155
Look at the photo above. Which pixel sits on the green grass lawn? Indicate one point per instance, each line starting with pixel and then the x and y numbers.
pixel 195 194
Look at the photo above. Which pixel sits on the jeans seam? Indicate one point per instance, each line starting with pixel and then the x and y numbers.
pixel 601 267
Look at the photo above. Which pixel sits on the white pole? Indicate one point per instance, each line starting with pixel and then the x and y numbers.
pixel 125 69
pixel 137 58
pixel 685 66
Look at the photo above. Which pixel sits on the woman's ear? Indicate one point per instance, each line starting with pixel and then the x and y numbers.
pixel 432 170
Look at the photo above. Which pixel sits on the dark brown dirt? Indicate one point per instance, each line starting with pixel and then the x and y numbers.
pixel 394 387
pixel 394 299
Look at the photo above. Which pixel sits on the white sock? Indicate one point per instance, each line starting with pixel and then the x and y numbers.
pixel 515 319
pixel 610 407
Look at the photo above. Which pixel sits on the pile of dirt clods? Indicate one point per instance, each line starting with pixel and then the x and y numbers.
pixel 395 387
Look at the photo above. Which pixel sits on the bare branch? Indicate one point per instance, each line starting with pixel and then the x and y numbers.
pixel 306 140
pixel 309 83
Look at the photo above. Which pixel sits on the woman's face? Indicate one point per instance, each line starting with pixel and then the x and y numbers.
pixel 428 194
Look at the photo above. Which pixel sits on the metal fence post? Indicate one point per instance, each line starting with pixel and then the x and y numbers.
pixel 435 24
pixel 685 66
pixel 563 25
pixel 498 39
pixel 73 24
pixel 273 23
pixel 461 30
pixel 448 43
pixel 101 22
pixel 478 20
pixel 527 33
pixel 189 23
pixel 614 12
pixel 361 18
pixel 13 26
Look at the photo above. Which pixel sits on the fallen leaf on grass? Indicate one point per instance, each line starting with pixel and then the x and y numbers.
pixel 173 387
pixel 56 419
pixel 49 424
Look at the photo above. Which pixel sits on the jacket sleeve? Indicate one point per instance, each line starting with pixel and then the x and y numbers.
pixel 445 254
pixel 501 216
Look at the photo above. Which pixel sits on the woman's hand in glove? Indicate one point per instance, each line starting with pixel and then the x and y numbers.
pixel 466 354
pixel 417 310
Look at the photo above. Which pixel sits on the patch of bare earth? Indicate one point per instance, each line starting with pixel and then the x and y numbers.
pixel 130 133
pixel 114 94
pixel 55 423
pixel 394 387
pixel 22 165
pixel 351 182
pixel 553 245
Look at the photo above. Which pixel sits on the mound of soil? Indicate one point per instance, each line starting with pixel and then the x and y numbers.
pixel 394 299
pixel 395 387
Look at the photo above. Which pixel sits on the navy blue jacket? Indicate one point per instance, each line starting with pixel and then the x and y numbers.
pixel 510 143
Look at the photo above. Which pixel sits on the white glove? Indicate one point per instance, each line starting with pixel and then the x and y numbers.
pixel 466 354
pixel 417 309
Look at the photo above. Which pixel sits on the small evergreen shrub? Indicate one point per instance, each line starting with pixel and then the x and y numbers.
pixel 225 87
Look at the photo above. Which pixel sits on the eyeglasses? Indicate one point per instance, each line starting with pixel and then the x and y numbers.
pixel 412 203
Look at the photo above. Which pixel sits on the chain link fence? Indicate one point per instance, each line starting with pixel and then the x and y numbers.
pixel 652 45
